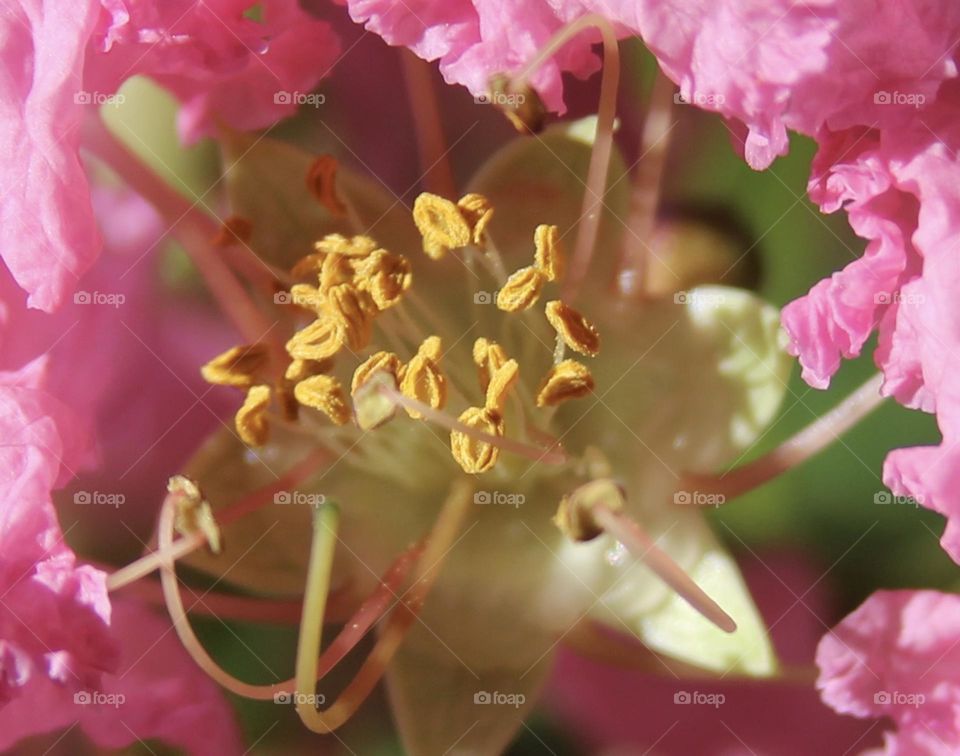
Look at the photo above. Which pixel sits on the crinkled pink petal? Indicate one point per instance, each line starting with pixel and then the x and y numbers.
pixel 48 237
pixel 158 693
pixel 837 317
pixel 475 40
pixel 54 616
pixel 224 67
pixel 897 656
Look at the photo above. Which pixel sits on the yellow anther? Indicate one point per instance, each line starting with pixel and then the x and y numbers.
pixel 549 256
pixel 320 340
pixel 575 516
pixel 322 183
pixel 193 512
pixel 475 455
pixel 566 380
pixel 233 230
pixel 238 366
pixel 353 309
pixel 577 332
pixel 306 296
pixel 324 393
pixel 385 276
pixel 421 378
pixel 251 418
pixel 441 224
pixel 488 357
pixel 500 384
pixel 477 211
pixel 431 347
pixel 521 290
pixel 308 265
pixel 348 246
pixel 334 271
pixel 297 370
pixel 381 361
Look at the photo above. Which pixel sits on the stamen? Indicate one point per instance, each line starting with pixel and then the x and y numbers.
pixel 549 257
pixel 598 507
pixel 577 332
pixel 553 455
pixel 603 143
pixel 478 212
pixel 250 503
pixel 324 393
pixel 503 380
pixel 386 277
pixel 793 452
pixel 368 614
pixel 489 357
pixel 438 545
pixel 376 362
pixel 422 380
pixel 193 512
pixel 521 290
pixel 322 183
pixel 352 246
pixel 238 366
pixel 472 455
pixel 441 224
pixel 566 380
pixel 319 341
pixel 297 370
pixel 251 420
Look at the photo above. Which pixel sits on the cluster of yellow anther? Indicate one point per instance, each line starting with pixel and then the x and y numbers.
pixel 567 379
pixel 350 282
pixel 497 376
pixel 446 225
pixel 347 282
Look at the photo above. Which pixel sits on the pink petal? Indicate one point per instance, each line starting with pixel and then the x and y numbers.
pixel 897 656
pixel 224 68
pixel 47 234
pixel 158 692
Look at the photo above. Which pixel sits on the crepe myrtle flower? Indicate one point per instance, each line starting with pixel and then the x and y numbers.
pixel 403 371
